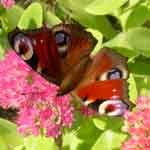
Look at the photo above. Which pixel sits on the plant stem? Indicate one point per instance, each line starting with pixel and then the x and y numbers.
pixel 59 142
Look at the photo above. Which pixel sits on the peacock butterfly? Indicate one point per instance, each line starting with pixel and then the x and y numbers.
pixel 61 54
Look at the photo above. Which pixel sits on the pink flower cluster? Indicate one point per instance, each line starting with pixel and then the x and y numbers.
pixel 40 109
pixel 7 3
pixel 138 126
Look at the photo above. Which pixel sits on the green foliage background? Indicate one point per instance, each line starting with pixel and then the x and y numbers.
pixel 123 25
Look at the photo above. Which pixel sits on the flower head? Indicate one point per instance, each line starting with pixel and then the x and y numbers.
pixel 40 109
pixel 7 3
pixel 138 126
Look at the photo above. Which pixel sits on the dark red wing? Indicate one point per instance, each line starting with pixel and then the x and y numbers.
pixel 60 53
pixel 105 71
pixel 77 57
pixel 41 42
pixel 104 82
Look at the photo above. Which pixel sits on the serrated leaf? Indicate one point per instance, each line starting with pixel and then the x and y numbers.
pixel 103 7
pixel 133 93
pixel 32 17
pixel 109 140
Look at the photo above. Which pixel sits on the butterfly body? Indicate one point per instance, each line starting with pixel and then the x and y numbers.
pixel 62 55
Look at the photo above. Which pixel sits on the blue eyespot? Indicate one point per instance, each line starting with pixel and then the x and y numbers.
pixel 62 41
pixel 114 74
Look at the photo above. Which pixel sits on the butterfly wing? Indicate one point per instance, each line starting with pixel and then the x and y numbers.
pixel 56 53
pixel 76 53
pixel 38 48
pixel 62 54
pixel 104 82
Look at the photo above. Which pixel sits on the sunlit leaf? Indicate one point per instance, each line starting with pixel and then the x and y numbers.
pixel 51 19
pixel 9 133
pixel 102 7
pixel 138 16
pixel 32 17
pixel 109 140
pixel 99 23
pixel 138 38
pixel 133 93
pixel 11 17
pixel 99 37
pixel 39 143
pixel 105 122
pixel 3 145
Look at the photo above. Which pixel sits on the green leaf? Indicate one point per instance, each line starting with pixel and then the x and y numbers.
pixel 99 37
pixel 134 2
pixel 32 17
pixel 121 45
pixel 141 74
pixel 51 19
pixel 3 43
pixel 135 41
pixel 105 122
pixel 39 143
pixel 11 17
pixel 20 147
pixel 3 145
pixel 78 3
pixel 85 133
pixel 103 7
pixel 143 84
pixel 81 135
pixel 140 67
pixel 9 134
pixel 133 93
pixel 99 23
pixel 71 141
pixel 138 17
pixel 119 40
pixel 139 39
pixel 110 140
pixel 2 10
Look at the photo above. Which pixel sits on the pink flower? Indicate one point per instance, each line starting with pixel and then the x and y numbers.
pixel 40 109
pixel 138 126
pixel 7 3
